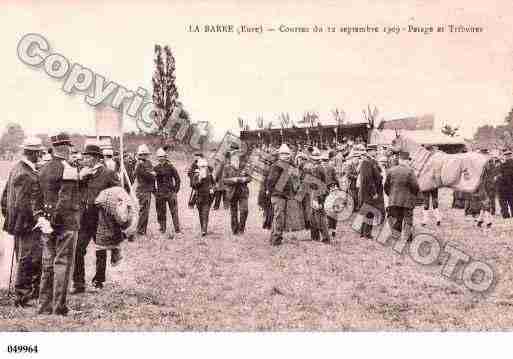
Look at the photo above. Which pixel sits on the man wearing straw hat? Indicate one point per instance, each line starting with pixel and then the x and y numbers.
pixel 319 219
pixel 108 159
pixel 19 193
pixel 145 186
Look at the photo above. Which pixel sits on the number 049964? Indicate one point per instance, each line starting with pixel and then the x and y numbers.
pixel 14 349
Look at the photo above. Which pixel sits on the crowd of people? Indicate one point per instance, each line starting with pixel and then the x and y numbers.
pixel 50 206
pixel 362 171
pixel 50 201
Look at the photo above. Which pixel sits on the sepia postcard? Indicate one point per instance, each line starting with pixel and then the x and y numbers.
pixel 302 168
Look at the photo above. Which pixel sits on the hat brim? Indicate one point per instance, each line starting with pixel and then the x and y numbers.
pixel 33 149
pixel 97 154
pixel 61 143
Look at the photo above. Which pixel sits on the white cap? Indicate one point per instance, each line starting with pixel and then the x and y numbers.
pixel 33 144
pixel 202 162
pixel 316 154
pixel 284 149
pixel 161 153
pixel 301 155
pixel 108 152
pixel 143 150
pixel 360 148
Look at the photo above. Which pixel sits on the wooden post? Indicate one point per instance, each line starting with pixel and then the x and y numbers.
pixel 121 149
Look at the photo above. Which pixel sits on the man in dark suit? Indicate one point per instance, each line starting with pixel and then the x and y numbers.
pixel 94 178
pixel 264 199
pixel 279 195
pixel 59 223
pixel 402 189
pixel 370 195
pixel 220 190
pixel 319 219
pixel 505 185
pixel 236 181
pixel 332 183
pixel 168 185
pixel 203 183
pixel 18 200
pixel 194 166
pixel 145 187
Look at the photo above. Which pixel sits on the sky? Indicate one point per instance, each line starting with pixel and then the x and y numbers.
pixel 464 79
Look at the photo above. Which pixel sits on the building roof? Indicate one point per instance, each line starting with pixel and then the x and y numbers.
pixel 423 137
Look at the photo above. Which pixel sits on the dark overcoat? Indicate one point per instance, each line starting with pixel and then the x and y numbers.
pixel 19 199
pixel 401 187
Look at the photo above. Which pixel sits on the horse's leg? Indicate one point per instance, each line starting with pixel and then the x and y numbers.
pixel 425 210
pixel 486 198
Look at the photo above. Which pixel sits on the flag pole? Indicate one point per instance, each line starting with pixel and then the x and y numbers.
pixel 96 119
pixel 121 148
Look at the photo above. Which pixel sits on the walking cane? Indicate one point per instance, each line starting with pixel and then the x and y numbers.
pixel 10 274
pixel 190 203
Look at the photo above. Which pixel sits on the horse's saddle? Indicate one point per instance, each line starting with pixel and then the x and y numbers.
pixel 462 171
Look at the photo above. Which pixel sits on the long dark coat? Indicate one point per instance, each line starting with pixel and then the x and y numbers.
pixel 19 198
pixel 371 188
pixel 505 178
pixel 402 187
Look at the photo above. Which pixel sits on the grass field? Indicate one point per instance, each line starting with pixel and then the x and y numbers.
pixel 242 283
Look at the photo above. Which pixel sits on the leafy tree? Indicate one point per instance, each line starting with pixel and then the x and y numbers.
pixel 165 93
pixel 12 138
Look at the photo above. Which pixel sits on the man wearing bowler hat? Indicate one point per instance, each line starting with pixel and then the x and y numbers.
pixel 94 178
pixel 59 224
